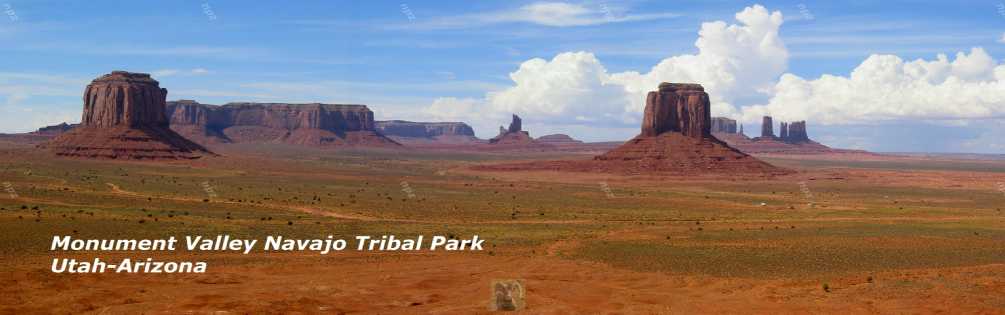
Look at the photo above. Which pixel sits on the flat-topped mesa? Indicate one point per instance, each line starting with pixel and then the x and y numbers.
pixel 307 124
pixel 723 125
pixel 124 99
pixel 124 118
pixel 677 107
pixel 401 128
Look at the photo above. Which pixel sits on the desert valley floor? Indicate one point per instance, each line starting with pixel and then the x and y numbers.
pixel 859 233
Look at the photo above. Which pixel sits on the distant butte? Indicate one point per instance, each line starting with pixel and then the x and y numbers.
pixel 792 139
pixel 514 136
pixel 428 133
pixel 676 138
pixel 123 118
pixel 313 124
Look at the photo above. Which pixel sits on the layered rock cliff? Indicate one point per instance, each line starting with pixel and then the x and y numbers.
pixel 677 107
pixel 124 117
pixel 307 124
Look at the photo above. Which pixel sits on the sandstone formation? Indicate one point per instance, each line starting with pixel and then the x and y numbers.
pixel 304 124
pixel 793 139
pixel 679 108
pixel 725 129
pixel 514 135
pixel 676 137
pixel 428 133
pixel 723 125
pixel 124 118
pixel 516 125
pixel 55 130
pixel 796 133
pixel 767 127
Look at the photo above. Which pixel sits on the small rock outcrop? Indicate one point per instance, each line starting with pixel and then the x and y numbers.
pixel 304 124
pixel 124 118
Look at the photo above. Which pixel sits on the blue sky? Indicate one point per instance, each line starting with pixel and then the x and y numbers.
pixel 453 60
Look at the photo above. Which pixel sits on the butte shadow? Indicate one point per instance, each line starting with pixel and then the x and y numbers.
pixel 676 138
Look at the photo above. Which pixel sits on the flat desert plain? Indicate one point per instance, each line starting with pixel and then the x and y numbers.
pixel 848 234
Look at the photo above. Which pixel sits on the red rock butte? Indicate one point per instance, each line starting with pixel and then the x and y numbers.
pixel 676 137
pixel 124 118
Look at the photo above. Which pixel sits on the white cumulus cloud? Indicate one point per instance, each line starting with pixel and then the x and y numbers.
pixel 732 60
pixel 886 87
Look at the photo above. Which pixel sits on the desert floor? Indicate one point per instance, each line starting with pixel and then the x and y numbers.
pixel 849 234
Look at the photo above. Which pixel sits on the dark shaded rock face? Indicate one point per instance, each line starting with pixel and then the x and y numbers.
pixel 516 125
pixel 55 130
pixel 401 128
pixel 309 124
pixel 124 117
pixel 796 132
pixel 784 132
pixel 767 127
pixel 677 107
pixel 723 125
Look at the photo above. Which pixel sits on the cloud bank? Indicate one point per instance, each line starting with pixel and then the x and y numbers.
pixel 732 61
pixel 736 63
